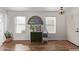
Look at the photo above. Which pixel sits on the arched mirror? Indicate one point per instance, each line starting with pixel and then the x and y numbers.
pixel 36 20
pixel 35 23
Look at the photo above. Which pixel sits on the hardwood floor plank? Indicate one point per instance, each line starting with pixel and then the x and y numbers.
pixel 24 45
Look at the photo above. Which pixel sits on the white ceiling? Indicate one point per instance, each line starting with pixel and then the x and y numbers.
pixel 31 8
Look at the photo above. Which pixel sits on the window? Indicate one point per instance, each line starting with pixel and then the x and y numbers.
pixel 51 24
pixel 20 24
pixel 1 27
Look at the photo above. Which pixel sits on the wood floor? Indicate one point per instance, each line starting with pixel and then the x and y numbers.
pixel 54 45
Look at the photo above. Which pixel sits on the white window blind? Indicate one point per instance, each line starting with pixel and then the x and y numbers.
pixel 51 24
pixel 20 24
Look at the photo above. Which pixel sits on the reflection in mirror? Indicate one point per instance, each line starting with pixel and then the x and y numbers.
pixel 35 23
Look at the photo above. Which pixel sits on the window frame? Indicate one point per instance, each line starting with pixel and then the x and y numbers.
pixel 19 24
pixel 51 25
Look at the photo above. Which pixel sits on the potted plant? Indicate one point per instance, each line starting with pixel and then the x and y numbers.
pixel 8 36
pixel 32 27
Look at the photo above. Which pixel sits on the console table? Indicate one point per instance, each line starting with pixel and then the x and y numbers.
pixel 36 37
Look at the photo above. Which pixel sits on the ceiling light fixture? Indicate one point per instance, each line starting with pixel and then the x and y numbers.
pixel 61 11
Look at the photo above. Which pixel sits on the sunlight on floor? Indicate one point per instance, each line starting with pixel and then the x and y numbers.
pixel 20 47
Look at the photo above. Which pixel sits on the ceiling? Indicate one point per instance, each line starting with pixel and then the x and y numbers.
pixel 30 8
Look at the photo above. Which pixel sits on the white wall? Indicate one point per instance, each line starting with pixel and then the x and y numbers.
pixel 60 28
pixel 72 18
